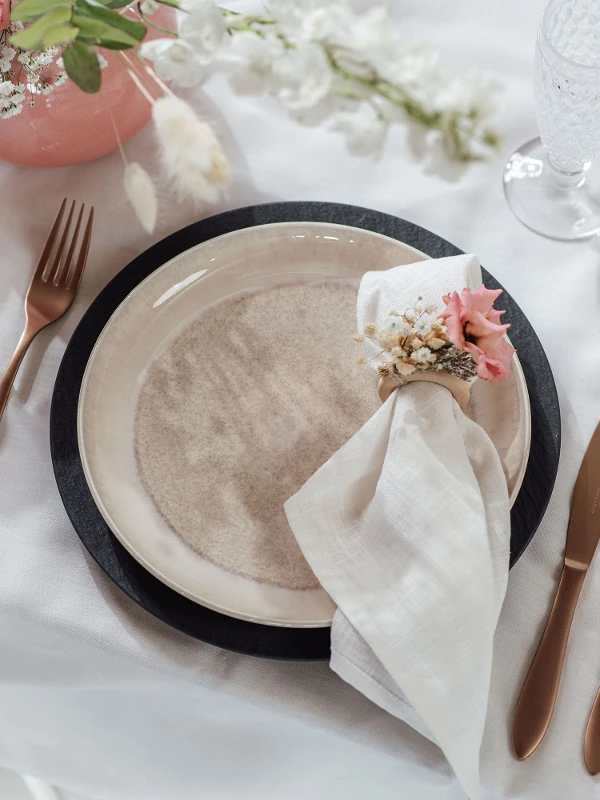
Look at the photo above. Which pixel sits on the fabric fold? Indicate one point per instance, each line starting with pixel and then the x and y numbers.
pixel 407 527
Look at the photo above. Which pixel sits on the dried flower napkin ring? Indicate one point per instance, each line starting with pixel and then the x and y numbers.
pixel 452 347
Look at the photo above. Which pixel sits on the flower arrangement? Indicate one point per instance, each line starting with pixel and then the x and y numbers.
pixel 321 61
pixel 465 339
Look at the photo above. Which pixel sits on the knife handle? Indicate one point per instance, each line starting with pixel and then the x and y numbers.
pixel 538 696
pixel 591 747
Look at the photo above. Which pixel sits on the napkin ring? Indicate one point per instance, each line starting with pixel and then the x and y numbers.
pixel 456 386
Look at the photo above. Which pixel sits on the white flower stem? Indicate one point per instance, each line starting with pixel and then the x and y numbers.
pixel 149 22
pixel 152 74
pixel 135 79
pixel 114 126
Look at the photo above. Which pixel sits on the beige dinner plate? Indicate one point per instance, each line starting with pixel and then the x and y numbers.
pixel 147 321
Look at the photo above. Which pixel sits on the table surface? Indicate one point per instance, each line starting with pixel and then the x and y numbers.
pixel 98 696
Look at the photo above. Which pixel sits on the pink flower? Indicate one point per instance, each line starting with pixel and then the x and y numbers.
pixel 473 325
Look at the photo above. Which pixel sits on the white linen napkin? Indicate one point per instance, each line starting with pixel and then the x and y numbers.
pixel 407 527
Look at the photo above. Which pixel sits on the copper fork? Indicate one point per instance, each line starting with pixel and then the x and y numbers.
pixel 52 288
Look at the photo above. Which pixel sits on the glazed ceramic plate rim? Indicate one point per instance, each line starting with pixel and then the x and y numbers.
pixel 138 291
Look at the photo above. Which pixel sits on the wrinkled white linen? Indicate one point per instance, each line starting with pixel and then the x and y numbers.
pixel 407 527
pixel 98 696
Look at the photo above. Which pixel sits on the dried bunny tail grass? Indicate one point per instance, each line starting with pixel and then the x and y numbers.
pixel 190 152
pixel 139 188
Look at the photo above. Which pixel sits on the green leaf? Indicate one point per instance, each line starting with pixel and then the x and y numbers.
pixel 32 9
pixel 32 38
pixel 96 32
pixel 109 44
pixel 60 34
pixel 109 17
pixel 117 3
pixel 81 64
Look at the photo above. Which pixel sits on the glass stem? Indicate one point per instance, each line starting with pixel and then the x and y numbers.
pixel 564 179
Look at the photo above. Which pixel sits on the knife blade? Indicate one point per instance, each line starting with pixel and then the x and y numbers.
pixel 538 696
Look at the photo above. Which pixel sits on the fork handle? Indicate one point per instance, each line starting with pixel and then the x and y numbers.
pixel 9 376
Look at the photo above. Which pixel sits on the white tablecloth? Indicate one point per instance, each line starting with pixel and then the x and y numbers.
pixel 98 696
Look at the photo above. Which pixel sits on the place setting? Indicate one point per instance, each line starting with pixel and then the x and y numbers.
pixel 311 431
pixel 234 469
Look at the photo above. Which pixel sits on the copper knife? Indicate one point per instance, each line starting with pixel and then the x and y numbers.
pixel 538 696
pixel 591 747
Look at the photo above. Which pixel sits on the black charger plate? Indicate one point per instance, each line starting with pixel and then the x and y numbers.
pixel 148 591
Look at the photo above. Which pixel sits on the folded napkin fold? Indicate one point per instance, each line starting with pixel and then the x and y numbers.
pixel 407 527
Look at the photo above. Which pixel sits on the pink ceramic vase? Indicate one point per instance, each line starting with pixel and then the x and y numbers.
pixel 69 126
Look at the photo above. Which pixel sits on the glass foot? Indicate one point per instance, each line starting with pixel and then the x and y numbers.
pixel 556 205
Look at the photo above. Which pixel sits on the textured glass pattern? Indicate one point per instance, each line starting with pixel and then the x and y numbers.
pixel 567 82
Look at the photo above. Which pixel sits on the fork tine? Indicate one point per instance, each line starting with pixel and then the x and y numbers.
pixel 44 258
pixel 55 269
pixel 64 275
pixel 75 279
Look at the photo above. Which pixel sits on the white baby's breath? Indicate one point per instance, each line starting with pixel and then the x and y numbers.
pixel 417 343
pixel 404 368
pixel 6 57
pixel 423 356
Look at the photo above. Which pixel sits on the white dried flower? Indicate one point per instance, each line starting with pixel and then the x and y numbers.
pixel 404 368
pixel 12 111
pixel 397 325
pixel 423 356
pixel 149 7
pixel 398 352
pixel 139 188
pixel 386 340
pixel 6 57
pixel 423 326
pixel 435 343
pixel 190 151
pixel 101 61
pixel 370 329
pixel 175 60
pixel 359 337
